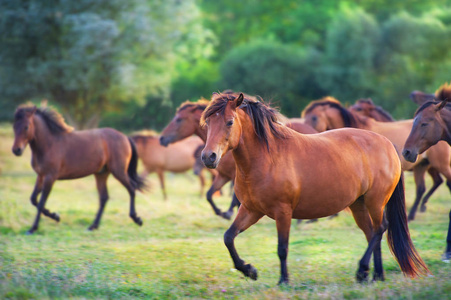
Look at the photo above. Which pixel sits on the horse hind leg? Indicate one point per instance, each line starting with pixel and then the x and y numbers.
pixel 437 181
pixel 123 178
pixel 418 174
pixel 101 180
pixel 235 202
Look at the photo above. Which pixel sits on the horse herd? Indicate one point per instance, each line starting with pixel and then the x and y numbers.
pixel 282 168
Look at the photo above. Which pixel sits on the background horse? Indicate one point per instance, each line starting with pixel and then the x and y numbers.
pixel 58 152
pixel 328 113
pixel 284 174
pixel 432 124
pixel 366 108
pixel 177 158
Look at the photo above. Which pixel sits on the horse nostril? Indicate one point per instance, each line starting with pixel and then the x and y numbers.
pixel 213 156
pixel 406 153
pixel 17 151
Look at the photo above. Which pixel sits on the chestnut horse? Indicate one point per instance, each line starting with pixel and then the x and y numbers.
pixel 432 123
pixel 59 153
pixel 177 158
pixel 285 174
pixel 366 108
pixel 328 113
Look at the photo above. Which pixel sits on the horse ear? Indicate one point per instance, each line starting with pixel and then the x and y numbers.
pixel 442 105
pixel 239 100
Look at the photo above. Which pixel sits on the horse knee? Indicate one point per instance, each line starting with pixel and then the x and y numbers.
pixel 229 236
pixel 210 193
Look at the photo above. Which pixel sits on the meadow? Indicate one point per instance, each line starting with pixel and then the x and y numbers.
pixel 179 251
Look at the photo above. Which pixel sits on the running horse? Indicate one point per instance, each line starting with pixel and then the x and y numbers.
pixel 366 108
pixel 59 152
pixel 432 123
pixel 284 174
pixel 328 113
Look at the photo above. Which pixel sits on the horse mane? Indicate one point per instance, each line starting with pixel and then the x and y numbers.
pixel 348 117
pixel 264 117
pixel 378 108
pixel 144 135
pixel 200 104
pixel 429 103
pixel 54 120
pixel 443 92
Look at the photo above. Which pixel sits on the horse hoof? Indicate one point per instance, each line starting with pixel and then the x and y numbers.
pixel 423 209
pixel 410 218
pixel 56 217
pixel 378 277
pixel 283 281
pixel 251 272
pixel 138 221
pixel 446 257
pixel 227 215
pixel 30 232
pixel 93 227
pixel 362 277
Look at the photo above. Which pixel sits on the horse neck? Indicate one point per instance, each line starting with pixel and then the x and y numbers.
pixel 43 138
pixel 250 150
pixel 200 131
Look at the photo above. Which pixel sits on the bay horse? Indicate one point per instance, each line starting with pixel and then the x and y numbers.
pixel 432 123
pixel 366 108
pixel 59 152
pixel 177 158
pixel 285 174
pixel 328 113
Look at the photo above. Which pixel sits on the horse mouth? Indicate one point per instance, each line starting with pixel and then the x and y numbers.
pixel 410 156
pixel 165 140
pixel 17 151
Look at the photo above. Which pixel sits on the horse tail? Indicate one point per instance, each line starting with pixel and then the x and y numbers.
pixel 398 236
pixel 137 182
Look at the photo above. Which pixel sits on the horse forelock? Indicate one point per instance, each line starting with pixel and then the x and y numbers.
pixel 346 115
pixel 264 118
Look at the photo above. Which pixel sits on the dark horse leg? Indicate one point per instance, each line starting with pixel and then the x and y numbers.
pixel 218 183
pixel 123 178
pixel 437 181
pixel 283 223
pixel 47 183
pixel 101 179
pixel 235 202
pixel 244 219
pixel 163 189
pixel 418 174
pixel 202 183
pixel 34 200
pixel 447 254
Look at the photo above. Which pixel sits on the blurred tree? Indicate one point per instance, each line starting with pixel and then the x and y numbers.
pixel 87 55
pixel 281 73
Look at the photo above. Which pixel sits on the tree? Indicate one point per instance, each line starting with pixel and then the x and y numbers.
pixel 89 55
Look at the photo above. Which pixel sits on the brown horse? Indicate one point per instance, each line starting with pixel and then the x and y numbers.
pixel 284 174
pixel 432 123
pixel 177 158
pixel 328 113
pixel 366 108
pixel 58 153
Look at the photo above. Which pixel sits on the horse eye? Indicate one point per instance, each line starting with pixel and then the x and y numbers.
pixel 26 127
pixel 424 124
pixel 229 123
pixel 358 109
pixel 178 120
pixel 314 118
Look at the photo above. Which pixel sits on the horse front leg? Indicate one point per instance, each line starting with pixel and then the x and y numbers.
pixel 447 254
pixel 235 202
pixel 418 174
pixel 34 199
pixel 283 223
pixel 46 188
pixel 244 219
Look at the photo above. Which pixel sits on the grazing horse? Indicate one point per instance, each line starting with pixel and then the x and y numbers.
pixel 432 123
pixel 284 174
pixel 366 108
pixel 177 158
pixel 328 113
pixel 58 153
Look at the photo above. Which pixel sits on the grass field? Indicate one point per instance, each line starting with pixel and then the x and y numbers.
pixel 179 251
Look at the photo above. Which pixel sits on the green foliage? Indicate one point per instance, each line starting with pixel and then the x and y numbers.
pixel 273 71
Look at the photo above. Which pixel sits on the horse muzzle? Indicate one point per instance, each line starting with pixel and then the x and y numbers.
pixel 410 155
pixel 17 151
pixel 165 140
pixel 210 159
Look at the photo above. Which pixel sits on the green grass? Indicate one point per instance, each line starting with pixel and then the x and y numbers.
pixel 179 252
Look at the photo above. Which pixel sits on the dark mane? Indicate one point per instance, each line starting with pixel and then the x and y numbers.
pixel 443 92
pixel 201 104
pixel 263 116
pixel 379 109
pixel 53 120
pixel 427 104
pixel 348 118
